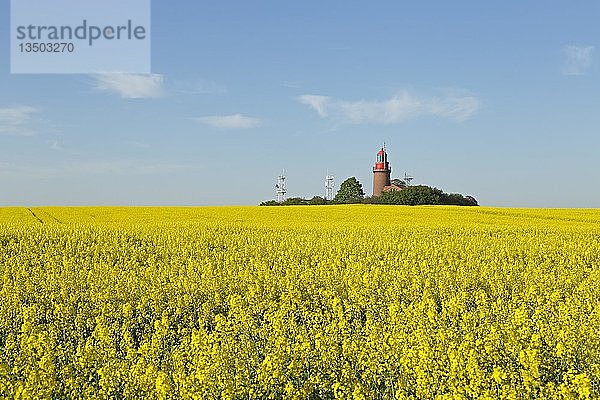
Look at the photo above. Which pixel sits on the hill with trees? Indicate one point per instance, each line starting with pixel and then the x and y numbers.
pixel 351 192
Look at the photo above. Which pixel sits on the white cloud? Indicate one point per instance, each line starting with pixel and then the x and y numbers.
pixel 131 86
pixel 399 108
pixel 291 84
pixel 578 59
pixel 55 145
pixel 89 168
pixel 235 121
pixel 199 87
pixel 17 120
pixel 457 108
pixel 318 103
pixel 127 167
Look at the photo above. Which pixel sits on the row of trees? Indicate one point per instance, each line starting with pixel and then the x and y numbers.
pixel 351 192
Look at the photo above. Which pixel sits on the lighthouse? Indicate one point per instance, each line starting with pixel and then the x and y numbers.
pixel 381 173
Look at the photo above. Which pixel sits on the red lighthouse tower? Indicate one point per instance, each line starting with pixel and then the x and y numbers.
pixel 381 173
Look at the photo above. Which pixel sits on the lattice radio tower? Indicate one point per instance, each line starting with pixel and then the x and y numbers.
pixel 280 189
pixel 407 178
pixel 329 183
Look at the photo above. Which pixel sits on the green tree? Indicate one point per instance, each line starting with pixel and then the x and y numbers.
pixel 413 196
pixel 370 200
pixel 421 195
pixel 471 201
pixel 269 203
pixel 295 201
pixel 351 191
pixel 317 201
pixel 457 199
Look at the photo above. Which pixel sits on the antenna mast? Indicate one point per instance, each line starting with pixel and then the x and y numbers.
pixel 280 189
pixel 407 178
pixel 329 186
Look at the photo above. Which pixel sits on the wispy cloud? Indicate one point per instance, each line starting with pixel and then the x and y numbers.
pixel 93 167
pixel 319 103
pixel 399 108
pixel 291 84
pixel 17 120
pixel 130 167
pixel 131 86
pixel 577 59
pixel 199 87
pixel 55 145
pixel 137 144
pixel 235 121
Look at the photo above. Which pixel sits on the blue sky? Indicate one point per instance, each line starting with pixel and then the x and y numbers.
pixel 499 101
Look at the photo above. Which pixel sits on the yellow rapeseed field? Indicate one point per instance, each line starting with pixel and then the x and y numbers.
pixel 359 302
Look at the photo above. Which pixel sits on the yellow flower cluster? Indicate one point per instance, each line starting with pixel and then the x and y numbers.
pixel 356 301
